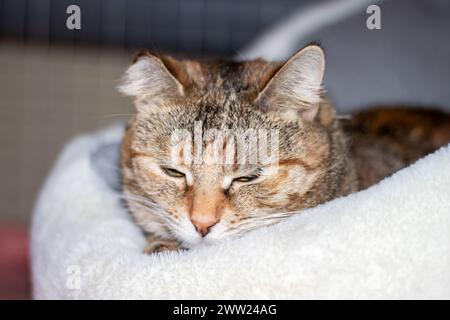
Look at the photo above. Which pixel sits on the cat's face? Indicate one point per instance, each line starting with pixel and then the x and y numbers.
pixel 210 156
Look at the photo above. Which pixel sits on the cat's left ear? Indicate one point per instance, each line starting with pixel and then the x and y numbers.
pixel 153 79
pixel 295 89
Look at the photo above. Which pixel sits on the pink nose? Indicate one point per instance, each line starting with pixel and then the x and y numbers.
pixel 203 227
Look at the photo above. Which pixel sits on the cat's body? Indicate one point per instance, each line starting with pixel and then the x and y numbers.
pixel 385 140
pixel 181 202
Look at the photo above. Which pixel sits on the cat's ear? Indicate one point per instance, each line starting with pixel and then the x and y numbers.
pixel 153 79
pixel 295 89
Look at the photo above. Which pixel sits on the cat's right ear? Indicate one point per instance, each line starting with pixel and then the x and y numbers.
pixel 150 81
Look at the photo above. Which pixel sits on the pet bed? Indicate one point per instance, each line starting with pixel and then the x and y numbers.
pixel 390 241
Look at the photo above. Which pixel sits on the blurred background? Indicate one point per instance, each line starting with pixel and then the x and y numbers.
pixel 57 83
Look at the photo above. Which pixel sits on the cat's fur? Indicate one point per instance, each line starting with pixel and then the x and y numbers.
pixel 321 156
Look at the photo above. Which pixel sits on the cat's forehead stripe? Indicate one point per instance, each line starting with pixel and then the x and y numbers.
pixel 296 161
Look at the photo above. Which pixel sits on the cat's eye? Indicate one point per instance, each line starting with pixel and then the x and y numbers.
pixel 246 178
pixel 172 172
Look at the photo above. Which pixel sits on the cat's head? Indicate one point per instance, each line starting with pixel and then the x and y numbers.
pixel 220 148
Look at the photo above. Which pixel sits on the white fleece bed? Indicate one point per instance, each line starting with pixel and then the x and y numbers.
pixel 390 241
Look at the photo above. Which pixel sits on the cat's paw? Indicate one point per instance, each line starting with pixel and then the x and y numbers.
pixel 159 245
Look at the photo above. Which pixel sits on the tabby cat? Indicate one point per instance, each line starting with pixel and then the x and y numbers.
pixel 180 203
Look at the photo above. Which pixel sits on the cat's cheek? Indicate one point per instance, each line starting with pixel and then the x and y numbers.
pixel 243 205
pixel 149 172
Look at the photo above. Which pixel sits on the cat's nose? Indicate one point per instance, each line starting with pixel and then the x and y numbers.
pixel 203 227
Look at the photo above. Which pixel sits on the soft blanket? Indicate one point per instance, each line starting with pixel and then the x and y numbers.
pixel 390 241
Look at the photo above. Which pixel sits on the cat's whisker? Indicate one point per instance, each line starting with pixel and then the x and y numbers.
pixel 270 215
pixel 285 213
pixel 257 222
pixel 240 229
pixel 152 207
pixel 152 210
pixel 134 195
pixel 146 203
pixel 164 218
pixel 119 115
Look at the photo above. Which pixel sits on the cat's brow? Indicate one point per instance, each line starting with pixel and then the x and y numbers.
pixel 135 153
pixel 297 162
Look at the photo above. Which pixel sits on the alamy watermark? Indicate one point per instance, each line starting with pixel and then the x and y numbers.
pixel 373 22
pixel 73 279
pixel 250 146
pixel 73 21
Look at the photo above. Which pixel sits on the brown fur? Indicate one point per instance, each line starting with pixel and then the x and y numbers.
pixel 387 139
pixel 321 157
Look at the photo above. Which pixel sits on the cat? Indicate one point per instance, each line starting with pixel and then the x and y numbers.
pixel 180 203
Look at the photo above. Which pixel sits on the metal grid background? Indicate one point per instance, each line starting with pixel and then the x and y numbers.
pixel 213 27
pixel 56 83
